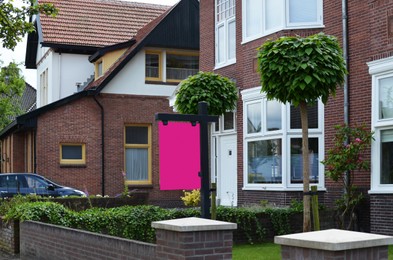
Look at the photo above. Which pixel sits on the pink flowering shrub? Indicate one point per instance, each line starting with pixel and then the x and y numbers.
pixel 341 162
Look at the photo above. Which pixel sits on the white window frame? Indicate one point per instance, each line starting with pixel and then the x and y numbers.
pixel 224 23
pixel 285 24
pixel 378 69
pixel 253 95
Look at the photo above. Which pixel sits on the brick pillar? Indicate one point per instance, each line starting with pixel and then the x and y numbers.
pixel 193 238
pixel 334 244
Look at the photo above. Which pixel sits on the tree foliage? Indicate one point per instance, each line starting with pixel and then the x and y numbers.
pixel 14 19
pixel 12 86
pixel 301 71
pixel 295 69
pixel 219 92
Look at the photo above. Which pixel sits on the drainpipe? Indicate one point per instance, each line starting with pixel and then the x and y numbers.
pixel 347 178
pixel 102 146
pixel 345 54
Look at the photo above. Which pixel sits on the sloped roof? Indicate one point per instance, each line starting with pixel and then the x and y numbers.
pixel 161 32
pixel 96 23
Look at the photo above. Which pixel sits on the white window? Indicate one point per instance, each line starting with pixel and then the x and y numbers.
pixel 226 123
pixel 263 17
pixel 225 32
pixel 44 88
pixel 272 144
pixel 382 124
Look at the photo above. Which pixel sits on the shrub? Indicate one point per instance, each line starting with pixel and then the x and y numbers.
pixel 191 198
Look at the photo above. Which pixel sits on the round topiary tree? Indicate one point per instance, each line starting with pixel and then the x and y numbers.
pixel 219 92
pixel 301 71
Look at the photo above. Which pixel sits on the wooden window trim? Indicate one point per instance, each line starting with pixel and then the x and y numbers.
pixel 159 53
pixel 75 161
pixel 149 154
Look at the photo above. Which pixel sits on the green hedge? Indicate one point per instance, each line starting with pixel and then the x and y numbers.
pixel 134 222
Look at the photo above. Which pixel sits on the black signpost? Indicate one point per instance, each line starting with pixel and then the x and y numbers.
pixel 203 119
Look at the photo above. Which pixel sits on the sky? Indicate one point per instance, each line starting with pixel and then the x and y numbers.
pixel 18 55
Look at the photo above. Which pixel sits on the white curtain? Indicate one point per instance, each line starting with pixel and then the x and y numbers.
pixel 303 11
pixel 137 164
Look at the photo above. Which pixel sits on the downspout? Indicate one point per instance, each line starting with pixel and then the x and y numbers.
pixel 347 178
pixel 35 150
pixel 102 146
pixel 345 54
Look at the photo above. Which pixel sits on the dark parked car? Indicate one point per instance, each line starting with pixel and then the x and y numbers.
pixel 28 183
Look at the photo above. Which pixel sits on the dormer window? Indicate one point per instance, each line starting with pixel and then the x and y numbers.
pixel 170 66
pixel 180 66
pixel 153 61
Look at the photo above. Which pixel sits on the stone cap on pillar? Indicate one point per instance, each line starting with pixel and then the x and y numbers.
pixel 334 240
pixel 193 224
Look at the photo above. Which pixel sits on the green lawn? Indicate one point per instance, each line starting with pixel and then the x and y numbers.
pixel 268 251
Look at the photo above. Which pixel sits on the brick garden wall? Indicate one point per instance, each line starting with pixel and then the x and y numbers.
pixel 43 241
pixel 9 236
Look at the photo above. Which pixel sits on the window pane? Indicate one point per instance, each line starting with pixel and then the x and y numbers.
pixel 254 118
pixel 152 65
pixel 232 40
pixel 221 44
pixel 137 135
pixel 71 152
pixel 387 157
pixel 303 11
pixel 386 98
pixel 297 160
pixel 99 69
pixel 217 126
pixel 273 14
pixel 264 161
pixel 179 67
pixel 137 164
pixel 253 17
pixel 296 122
pixel 273 115
pixel 228 121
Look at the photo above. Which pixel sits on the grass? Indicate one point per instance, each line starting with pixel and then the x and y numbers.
pixel 268 251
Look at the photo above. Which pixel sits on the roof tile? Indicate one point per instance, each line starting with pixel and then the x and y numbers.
pixel 96 23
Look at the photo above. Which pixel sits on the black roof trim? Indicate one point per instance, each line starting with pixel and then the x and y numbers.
pixel 31 49
pixel 66 48
pixel 147 41
pixel 107 49
pixel 30 119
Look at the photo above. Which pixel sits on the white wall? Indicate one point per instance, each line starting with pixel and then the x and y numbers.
pixel 64 71
pixel 131 80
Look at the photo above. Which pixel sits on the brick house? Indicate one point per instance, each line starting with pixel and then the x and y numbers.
pixel 267 133
pixel 87 138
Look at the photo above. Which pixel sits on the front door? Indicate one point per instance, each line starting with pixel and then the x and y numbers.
pixel 226 170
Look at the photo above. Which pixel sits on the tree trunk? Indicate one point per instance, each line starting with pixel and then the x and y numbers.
pixel 306 169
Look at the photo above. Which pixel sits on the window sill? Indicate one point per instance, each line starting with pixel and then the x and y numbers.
pixel 288 28
pixel 276 187
pixel 73 166
pixel 139 186
pixel 162 83
pixel 381 191
pixel 220 66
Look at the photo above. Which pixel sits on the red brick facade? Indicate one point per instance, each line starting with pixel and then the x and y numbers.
pixel 370 37
pixel 80 122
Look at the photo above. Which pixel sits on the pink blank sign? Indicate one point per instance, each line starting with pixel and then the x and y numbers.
pixel 179 156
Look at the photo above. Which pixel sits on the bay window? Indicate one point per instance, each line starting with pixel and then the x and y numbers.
pixel 382 124
pixel 273 144
pixel 225 32
pixel 263 17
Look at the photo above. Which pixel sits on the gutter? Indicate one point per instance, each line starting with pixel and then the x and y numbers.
pixel 102 145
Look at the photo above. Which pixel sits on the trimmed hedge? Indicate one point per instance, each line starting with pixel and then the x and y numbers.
pixel 134 222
